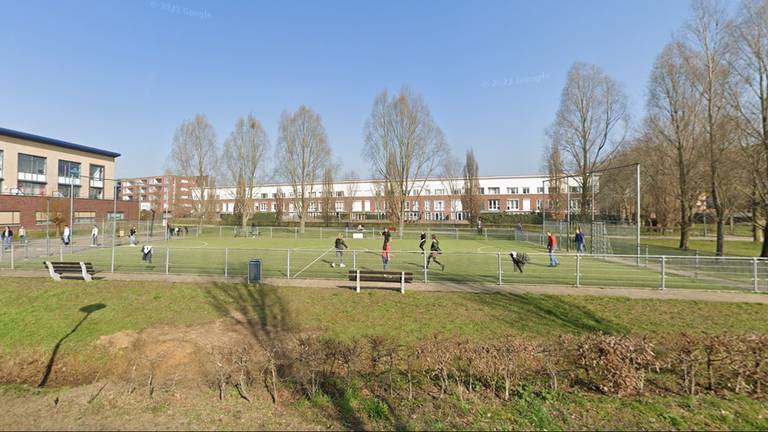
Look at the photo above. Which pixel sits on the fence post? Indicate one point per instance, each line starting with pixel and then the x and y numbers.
pixel 578 270
pixel 646 255
pixel 47 246
pixel 498 259
pixel 288 272
pixel 219 231
pixel 424 255
pixel 226 262
pixel 457 233
pixel 485 231
pixel 167 260
pixel 402 282
pixel 270 232
pixel 755 280
pixel 112 265
pixel 12 256
pixel 295 233
pixel 357 285
pixel 663 272
pixel 354 259
pixel 61 252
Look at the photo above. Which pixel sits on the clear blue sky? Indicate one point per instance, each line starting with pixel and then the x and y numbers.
pixel 122 75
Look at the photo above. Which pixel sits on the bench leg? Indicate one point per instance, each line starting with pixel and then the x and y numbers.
pixel 86 276
pixel 357 286
pixel 55 276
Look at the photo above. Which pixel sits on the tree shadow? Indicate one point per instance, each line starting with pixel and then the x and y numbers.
pixel 546 312
pixel 88 310
pixel 258 308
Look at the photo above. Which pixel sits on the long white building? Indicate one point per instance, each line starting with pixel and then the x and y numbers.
pixel 432 200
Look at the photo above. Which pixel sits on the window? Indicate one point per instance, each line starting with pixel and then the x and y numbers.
pixel 439 191
pixel 98 193
pixel 457 192
pixel 9 218
pixel 69 170
pixel 263 206
pixel 513 205
pixel 494 191
pixel 1 165
pixel 313 207
pixel 526 190
pixel 41 218
pixel 340 194
pixel 28 188
pixel 31 168
pixel 540 189
pixel 424 192
pixel 439 206
pixel 65 190
pixel 415 206
pixel 263 196
pixel 493 205
pixel 575 189
pixel 274 207
pixel 513 190
pixel 426 205
pixel 85 217
pixel 538 204
pixel 339 206
pixel 482 191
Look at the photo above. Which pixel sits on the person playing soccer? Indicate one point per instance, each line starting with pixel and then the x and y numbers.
pixel 518 259
pixel 387 235
pixel 435 250
pixel 340 246
pixel 422 241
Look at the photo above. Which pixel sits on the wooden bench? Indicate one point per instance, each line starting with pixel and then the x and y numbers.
pixel 380 276
pixel 58 268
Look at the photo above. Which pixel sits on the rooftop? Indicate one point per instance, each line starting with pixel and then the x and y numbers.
pixel 55 142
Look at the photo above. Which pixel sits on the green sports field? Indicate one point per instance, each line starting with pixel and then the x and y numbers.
pixel 468 258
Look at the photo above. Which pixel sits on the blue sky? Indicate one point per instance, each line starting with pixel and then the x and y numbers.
pixel 123 75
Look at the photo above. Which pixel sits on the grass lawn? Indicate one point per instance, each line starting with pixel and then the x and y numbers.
pixel 35 313
pixel 707 247
pixel 467 259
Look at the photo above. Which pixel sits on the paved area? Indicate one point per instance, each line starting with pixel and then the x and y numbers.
pixel 635 293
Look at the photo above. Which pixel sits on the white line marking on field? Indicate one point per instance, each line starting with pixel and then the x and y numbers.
pixel 316 259
pixel 480 249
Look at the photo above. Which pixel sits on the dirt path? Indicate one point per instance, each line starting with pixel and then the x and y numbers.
pixel 635 293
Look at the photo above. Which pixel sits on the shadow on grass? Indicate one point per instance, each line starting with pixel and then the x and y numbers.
pixel 545 313
pixel 89 309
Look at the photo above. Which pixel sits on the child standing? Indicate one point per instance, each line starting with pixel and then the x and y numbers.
pixel 386 255
pixel 340 246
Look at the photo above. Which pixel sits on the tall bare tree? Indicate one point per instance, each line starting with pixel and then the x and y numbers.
pixel 194 153
pixel 244 157
pixel 451 178
pixel 471 201
pixel 591 123
pixel 707 35
pixel 556 172
pixel 327 204
pixel 302 154
pixel 404 145
pixel 674 121
pixel 750 36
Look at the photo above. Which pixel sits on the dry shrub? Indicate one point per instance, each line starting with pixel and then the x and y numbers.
pixel 615 364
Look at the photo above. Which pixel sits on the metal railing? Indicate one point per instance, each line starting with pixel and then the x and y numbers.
pixel 577 270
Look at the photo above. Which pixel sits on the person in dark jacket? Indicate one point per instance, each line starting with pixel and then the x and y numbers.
pixel 435 250
pixel 422 241
pixel 579 240
pixel 387 235
pixel 339 245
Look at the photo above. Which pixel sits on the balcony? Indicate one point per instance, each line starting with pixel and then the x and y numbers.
pixel 38 178
pixel 69 180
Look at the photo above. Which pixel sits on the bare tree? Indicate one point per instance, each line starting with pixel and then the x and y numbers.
pixel 194 154
pixel 301 156
pixel 405 146
pixel 471 201
pixel 352 189
pixel 327 204
pixel 244 157
pixel 709 72
pixel 591 123
pixel 674 122
pixel 451 179
pixel 750 36
pixel 556 172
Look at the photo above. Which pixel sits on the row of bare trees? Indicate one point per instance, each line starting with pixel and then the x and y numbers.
pixel 703 141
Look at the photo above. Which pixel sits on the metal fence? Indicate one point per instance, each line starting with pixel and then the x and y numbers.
pixel 643 271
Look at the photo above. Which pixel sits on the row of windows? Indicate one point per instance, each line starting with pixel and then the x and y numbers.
pixel 32 177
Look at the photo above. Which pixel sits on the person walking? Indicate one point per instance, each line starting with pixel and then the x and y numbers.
pixel 7 237
pixel 435 250
pixel 94 236
pixel 66 236
pixel 23 234
pixel 579 240
pixel 387 236
pixel 551 248
pixel 386 255
pixel 132 236
pixel 422 241
pixel 340 246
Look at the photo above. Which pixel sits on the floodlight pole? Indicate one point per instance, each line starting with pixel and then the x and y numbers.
pixel 568 212
pixel 114 225
pixel 637 211
pixel 543 216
